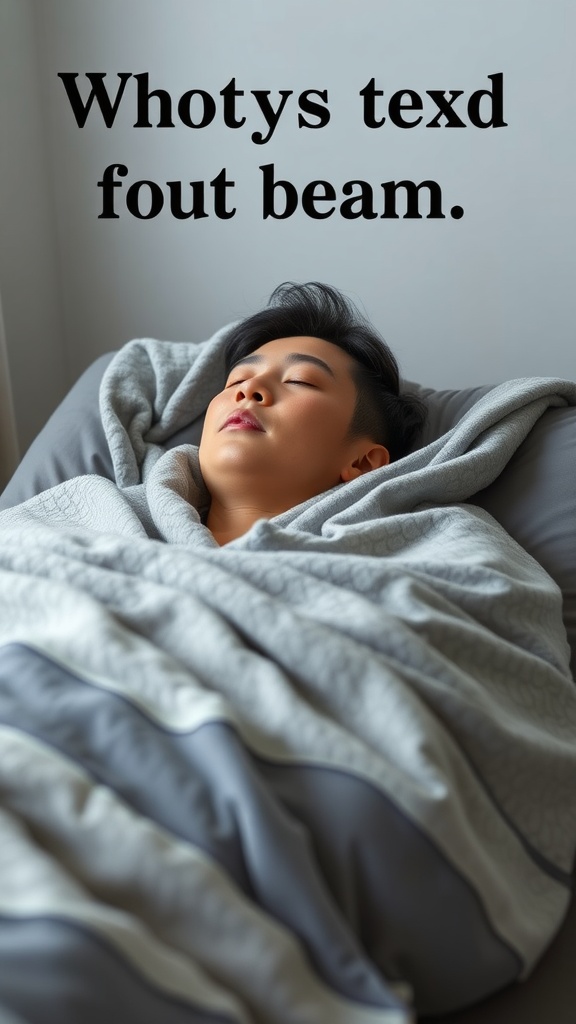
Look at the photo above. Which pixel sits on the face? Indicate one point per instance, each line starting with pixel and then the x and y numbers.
pixel 281 423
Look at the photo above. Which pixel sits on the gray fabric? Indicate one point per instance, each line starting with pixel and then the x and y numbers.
pixel 71 443
pixel 350 837
pixel 445 408
pixel 54 972
pixel 384 630
pixel 534 498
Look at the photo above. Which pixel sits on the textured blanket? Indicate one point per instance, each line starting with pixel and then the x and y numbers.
pixel 325 773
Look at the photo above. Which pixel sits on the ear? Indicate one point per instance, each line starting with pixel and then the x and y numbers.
pixel 370 458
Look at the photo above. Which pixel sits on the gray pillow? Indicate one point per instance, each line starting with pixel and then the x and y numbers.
pixel 534 499
pixel 71 444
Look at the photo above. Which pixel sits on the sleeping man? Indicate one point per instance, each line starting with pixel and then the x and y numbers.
pixel 288 729
pixel 311 401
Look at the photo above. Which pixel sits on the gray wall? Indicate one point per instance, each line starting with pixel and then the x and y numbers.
pixel 462 302
pixel 29 279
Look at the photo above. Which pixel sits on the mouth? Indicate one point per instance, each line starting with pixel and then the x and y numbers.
pixel 242 421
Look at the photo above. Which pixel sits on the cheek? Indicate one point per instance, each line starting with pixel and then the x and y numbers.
pixel 212 417
pixel 326 422
pixel 214 405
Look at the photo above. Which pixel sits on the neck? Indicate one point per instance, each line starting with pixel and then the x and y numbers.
pixel 226 523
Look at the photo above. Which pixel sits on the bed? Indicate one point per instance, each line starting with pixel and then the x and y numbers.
pixel 533 497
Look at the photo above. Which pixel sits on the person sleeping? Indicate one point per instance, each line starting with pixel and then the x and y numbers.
pixel 350 728
pixel 311 401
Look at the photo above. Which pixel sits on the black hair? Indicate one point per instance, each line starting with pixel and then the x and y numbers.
pixel 316 310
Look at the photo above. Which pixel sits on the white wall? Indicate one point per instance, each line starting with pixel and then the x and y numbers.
pixel 29 281
pixel 465 301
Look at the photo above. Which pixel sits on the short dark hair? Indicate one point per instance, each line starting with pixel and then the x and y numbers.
pixel 316 310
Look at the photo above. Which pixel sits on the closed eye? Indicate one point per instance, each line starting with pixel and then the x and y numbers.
pixel 242 380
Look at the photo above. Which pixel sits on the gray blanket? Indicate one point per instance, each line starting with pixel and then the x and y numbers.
pixel 325 773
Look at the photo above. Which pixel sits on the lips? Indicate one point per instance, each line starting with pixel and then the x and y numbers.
pixel 242 420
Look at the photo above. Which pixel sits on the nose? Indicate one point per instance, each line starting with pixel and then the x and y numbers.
pixel 254 389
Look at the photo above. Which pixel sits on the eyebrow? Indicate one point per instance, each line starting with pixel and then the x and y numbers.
pixel 292 357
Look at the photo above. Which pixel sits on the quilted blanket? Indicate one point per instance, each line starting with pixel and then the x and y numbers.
pixel 324 773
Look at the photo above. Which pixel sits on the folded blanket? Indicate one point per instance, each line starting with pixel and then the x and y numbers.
pixel 322 774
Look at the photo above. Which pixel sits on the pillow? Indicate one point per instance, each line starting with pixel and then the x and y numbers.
pixel 534 499
pixel 72 442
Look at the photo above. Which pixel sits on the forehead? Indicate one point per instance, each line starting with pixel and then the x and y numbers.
pixel 317 351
